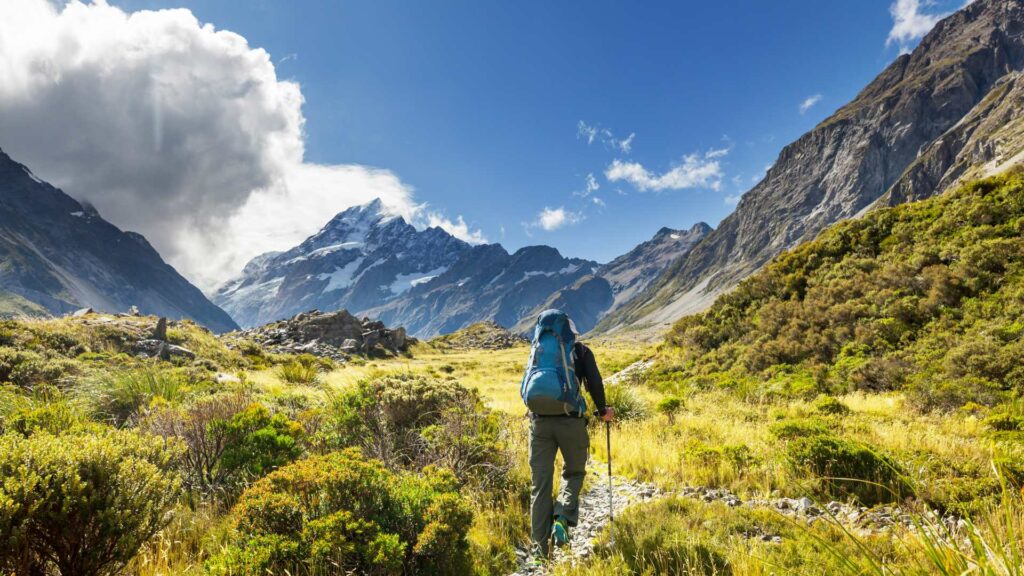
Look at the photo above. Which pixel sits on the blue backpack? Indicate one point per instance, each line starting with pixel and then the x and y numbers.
pixel 550 385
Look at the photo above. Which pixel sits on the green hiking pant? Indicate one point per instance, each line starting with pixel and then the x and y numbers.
pixel 548 435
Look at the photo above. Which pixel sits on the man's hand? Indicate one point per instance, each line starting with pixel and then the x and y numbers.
pixel 609 414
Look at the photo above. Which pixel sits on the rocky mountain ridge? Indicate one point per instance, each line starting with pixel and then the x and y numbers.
pixel 917 129
pixel 58 255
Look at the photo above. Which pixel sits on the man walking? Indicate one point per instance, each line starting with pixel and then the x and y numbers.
pixel 552 392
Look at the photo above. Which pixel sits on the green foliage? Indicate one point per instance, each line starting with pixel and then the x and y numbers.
pixel 1004 422
pixel 28 369
pixel 342 513
pixel 925 296
pixel 410 421
pixel 118 395
pixel 304 369
pixel 626 401
pixel 229 440
pixel 669 406
pixel 829 405
pixel 847 468
pixel 793 428
pixel 81 504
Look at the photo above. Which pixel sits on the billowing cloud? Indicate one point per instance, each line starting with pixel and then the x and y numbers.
pixel 695 171
pixel 909 23
pixel 555 218
pixel 809 103
pixel 174 129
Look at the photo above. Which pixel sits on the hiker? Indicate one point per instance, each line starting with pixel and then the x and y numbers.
pixel 552 392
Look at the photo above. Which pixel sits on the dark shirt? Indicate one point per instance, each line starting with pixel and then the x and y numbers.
pixel 587 372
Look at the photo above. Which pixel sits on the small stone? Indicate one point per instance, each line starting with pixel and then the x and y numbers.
pixel 82 312
pixel 133 310
pixel 160 332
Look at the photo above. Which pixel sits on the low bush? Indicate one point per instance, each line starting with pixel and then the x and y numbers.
pixel 626 401
pixel 793 428
pixel 342 513
pixel 927 395
pixel 304 369
pixel 82 504
pixel 1004 422
pixel 229 441
pixel 830 405
pixel 410 421
pixel 669 405
pixel 118 396
pixel 848 469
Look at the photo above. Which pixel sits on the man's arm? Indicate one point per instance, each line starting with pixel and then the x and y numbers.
pixel 591 377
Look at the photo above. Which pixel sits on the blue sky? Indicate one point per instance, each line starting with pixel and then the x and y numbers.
pixel 496 111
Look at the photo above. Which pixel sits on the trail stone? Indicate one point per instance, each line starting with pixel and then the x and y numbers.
pixel 160 332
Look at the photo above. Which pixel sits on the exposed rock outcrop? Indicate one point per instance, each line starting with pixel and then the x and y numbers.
pixel 931 114
pixel 333 335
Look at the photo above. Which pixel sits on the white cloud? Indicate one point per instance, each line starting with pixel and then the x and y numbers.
pixel 590 185
pixel 598 202
pixel 809 103
pixel 173 129
pixel 605 136
pixel 695 171
pixel 732 199
pixel 555 218
pixel 458 228
pixel 909 23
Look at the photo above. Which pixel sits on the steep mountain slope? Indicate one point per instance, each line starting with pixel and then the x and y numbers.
pixel 916 128
pixel 57 255
pixel 361 259
pixel 927 296
pixel 487 283
pixel 587 300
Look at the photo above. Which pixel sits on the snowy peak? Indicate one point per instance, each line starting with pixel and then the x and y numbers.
pixel 363 257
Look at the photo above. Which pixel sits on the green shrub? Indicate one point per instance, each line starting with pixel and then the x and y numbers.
pixel 626 401
pixel 341 513
pixel 1004 422
pixel 81 504
pixel 304 369
pixel 847 468
pixel 926 395
pixel 831 405
pixel 799 428
pixel 411 421
pixel 669 406
pixel 229 440
pixel 28 369
pixel 118 396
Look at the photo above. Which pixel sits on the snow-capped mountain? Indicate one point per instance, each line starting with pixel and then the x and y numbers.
pixel 57 255
pixel 364 257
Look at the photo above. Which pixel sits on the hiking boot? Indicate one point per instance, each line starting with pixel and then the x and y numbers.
pixel 560 532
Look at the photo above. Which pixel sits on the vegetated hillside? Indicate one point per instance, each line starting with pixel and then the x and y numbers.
pixel 57 255
pixel 950 106
pixel 926 296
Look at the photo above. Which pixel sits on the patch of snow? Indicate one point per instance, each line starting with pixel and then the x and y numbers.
pixel 334 248
pixel 462 282
pixel 32 176
pixel 78 214
pixel 341 277
pixel 674 236
pixel 569 269
pixel 254 293
pixel 403 282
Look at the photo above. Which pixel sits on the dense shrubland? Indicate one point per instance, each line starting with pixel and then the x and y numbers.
pixel 111 462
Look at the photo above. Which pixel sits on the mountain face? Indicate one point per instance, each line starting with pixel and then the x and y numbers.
pixel 587 300
pixel 57 255
pixel 488 283
pixel 363 258
pixel 946 111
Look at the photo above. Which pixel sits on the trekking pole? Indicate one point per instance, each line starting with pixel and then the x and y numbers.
pixel 608 436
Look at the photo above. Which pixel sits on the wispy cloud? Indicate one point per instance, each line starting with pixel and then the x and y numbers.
pixel 809 102
pixel 457 228
pixel 733 199
pixel 605 136
pixel 695 171
pixel 910 23
pixel 287 57
pixel 590 185
pixel 598 202
pixel 554 218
